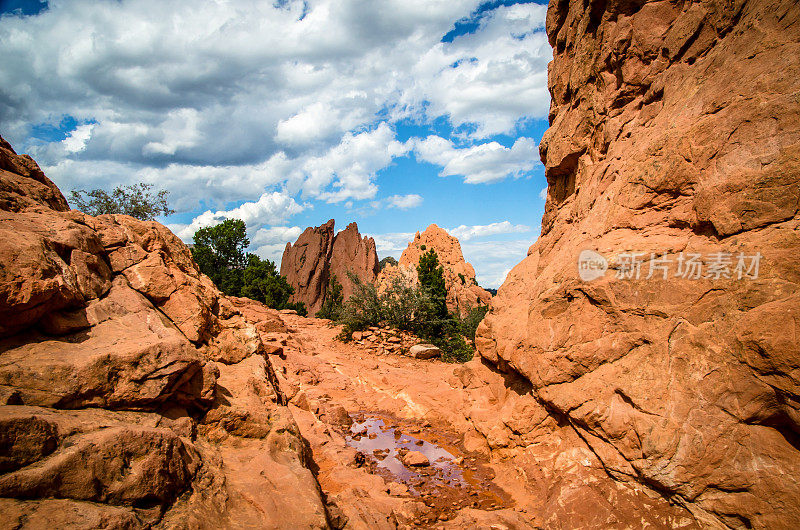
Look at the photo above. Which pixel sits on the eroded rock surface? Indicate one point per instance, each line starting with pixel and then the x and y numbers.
pixel 673 131
pixel 497 459
pixel 132 393
pixel 320 253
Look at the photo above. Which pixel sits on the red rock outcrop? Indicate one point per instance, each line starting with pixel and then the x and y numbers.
pixel 352 253
pixel 320 253
pixel 674 131
pixel 463 290
pixel 132 393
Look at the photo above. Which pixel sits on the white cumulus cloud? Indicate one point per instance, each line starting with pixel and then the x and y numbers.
pixel 489 79
pixel 347 170
pixel 270 208
pixel 479 164
pixel 269 242
pixel 249 97
pixel 494 259
pixel 404 202
pixel 391 244
pixel 465 233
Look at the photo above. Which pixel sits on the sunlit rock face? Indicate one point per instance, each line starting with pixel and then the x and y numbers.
pixel 133 394
pixel 674 156
pixel 319 254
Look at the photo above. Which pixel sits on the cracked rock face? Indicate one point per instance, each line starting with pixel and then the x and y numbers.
pixel 133 394
pixel 319 253
pixel 674 130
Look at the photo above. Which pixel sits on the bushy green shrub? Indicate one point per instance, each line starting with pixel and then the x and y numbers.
pixel 219 252
pixel 431 282
pixel 136 200
pixel 470 321
pixel 300 307
pixel 388 260
pixel 333 302
pixel 261 281
pixel 409 308
pixel 363 308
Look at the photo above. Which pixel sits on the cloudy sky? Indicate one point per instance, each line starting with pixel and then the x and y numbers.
pixel 391 113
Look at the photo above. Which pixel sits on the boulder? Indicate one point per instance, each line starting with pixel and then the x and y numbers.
pixel 133 394
pixel 424 351
pixel 131 357
pixel 415 459
pixel 681 384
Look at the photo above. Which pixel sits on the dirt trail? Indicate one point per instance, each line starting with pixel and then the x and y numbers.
pixel 362 412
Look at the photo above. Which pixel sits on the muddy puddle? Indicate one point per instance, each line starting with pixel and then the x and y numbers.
pixel 451 480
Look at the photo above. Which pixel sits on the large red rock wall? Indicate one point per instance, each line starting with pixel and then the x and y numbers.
pixel 132 393
pixel 674 129
pixel 319 253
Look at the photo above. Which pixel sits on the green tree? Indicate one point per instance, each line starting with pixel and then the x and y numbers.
pixel 388 260
pixel 431 278
pixel 219 253
pixel 261 281
pixel 469 324
pixel 334 300
pixel 136 200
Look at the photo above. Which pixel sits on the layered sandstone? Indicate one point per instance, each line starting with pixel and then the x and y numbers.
pixel 463 291
pixel 674 131
pixel 132 393
pixel 319 253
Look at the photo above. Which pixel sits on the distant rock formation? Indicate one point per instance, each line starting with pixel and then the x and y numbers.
pixel 132 393
pixel 319 253
pixel 355 254
pixel 463 290
pixel 305 265
pixel 674 134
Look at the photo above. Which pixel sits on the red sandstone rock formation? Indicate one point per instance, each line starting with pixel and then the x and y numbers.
pixel 132 393
pixel 318 253
pixel 305 265
pixel 674 129
pixel 355 254
pixel 463 290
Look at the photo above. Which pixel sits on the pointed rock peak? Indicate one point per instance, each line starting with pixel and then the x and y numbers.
pixel 433 228
pixel 462 288
pixel 319 254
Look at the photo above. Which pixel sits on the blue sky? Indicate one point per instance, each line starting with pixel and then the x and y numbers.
pixel 394 114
